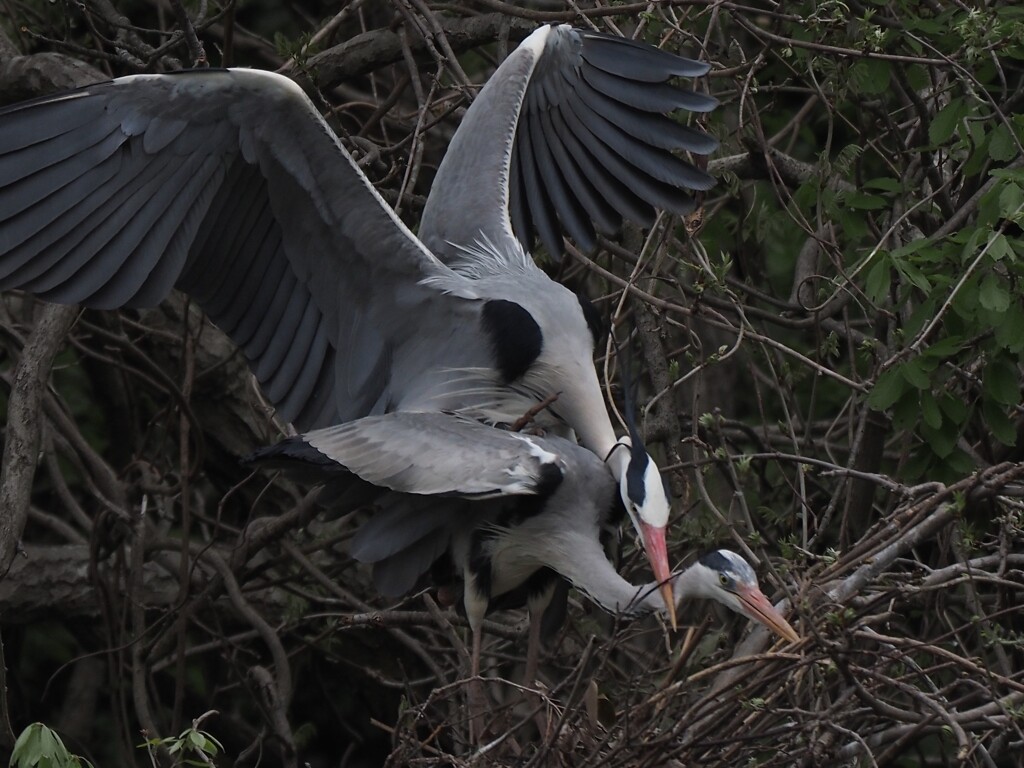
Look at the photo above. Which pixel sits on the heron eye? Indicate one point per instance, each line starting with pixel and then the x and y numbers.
pixel 723 579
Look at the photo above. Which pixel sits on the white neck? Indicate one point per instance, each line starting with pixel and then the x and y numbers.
pixel 693 583
pixel 591 573
pixel 583 408
pixel 617 460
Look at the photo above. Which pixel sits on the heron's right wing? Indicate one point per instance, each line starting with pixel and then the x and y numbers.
pixel 230 186
pixel 572 132
pixel 432 454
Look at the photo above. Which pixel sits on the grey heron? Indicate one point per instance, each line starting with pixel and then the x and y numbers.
pixel 534 509
pixel 230 186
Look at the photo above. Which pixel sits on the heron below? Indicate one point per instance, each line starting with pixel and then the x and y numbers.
pixel 514 513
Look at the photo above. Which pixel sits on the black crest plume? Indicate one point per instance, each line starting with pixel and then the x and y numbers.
pixel 638 458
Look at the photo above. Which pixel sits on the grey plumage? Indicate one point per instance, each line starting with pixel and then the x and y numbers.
pixel 527 503
pixel 546 507
pixel 580 138
pixel 230 186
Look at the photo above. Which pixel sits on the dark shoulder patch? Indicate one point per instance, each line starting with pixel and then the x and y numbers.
pixel 480 563
pixel 535 585
pixel 595 322
pixel 548 480
pixel 521 508
pixel 515 337
pixel 615 513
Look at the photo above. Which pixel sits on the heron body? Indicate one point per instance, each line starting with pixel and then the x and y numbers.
pixel 528 519
pixel 230 186
pixel 535 509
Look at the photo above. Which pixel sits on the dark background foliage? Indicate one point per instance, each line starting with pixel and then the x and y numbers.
pixel 831 380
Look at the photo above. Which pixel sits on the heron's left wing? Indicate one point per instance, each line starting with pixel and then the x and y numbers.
pixel 571 133
pixel 431 476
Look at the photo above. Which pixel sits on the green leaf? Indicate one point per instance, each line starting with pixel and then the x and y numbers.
pixel 961 463
pixel 26 749
pixel 906 413
pixel 970 239
pixel 923 314
pixel 914 275
pixel 40 747
pixel 887 390
pixel 998 423
pixel 912 247
pixel 1011 200
pixel 1009 332
pixel 992 295
pixel 1013 174
pixel 1001 381
pixel 884 184
pixel 944 348
pixel 870 77
pixel 954 409
pixel 979 158
pixel 989 210
pixel 965 304
pixel 999 248
pixel 945 122
pixel 878 282
pixel 914 373
pixel 930 410
pixel 861 202
pixel 941 440
pixel 1002 145
pixel 918 464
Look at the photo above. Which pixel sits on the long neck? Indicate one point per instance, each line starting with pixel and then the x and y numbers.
pixel 618 460
pixel 590 572
pixel 584 409
pixel 689 585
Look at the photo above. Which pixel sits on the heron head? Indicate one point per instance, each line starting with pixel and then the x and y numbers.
pixel 646 499
pixel 728 578
pixel 644 494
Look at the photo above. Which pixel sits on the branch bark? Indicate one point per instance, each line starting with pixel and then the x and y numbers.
pixel 24 425
pixel 379 48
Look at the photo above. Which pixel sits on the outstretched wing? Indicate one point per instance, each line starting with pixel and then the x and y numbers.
pixel 430 475
pixel 433 476
pixel 230 186
pixel 442 454
pixel 571 133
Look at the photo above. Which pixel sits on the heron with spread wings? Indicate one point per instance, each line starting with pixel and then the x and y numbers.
pixel 230 186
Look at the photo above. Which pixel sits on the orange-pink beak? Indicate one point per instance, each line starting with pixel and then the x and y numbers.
pixel 657 552
pixel 759 608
